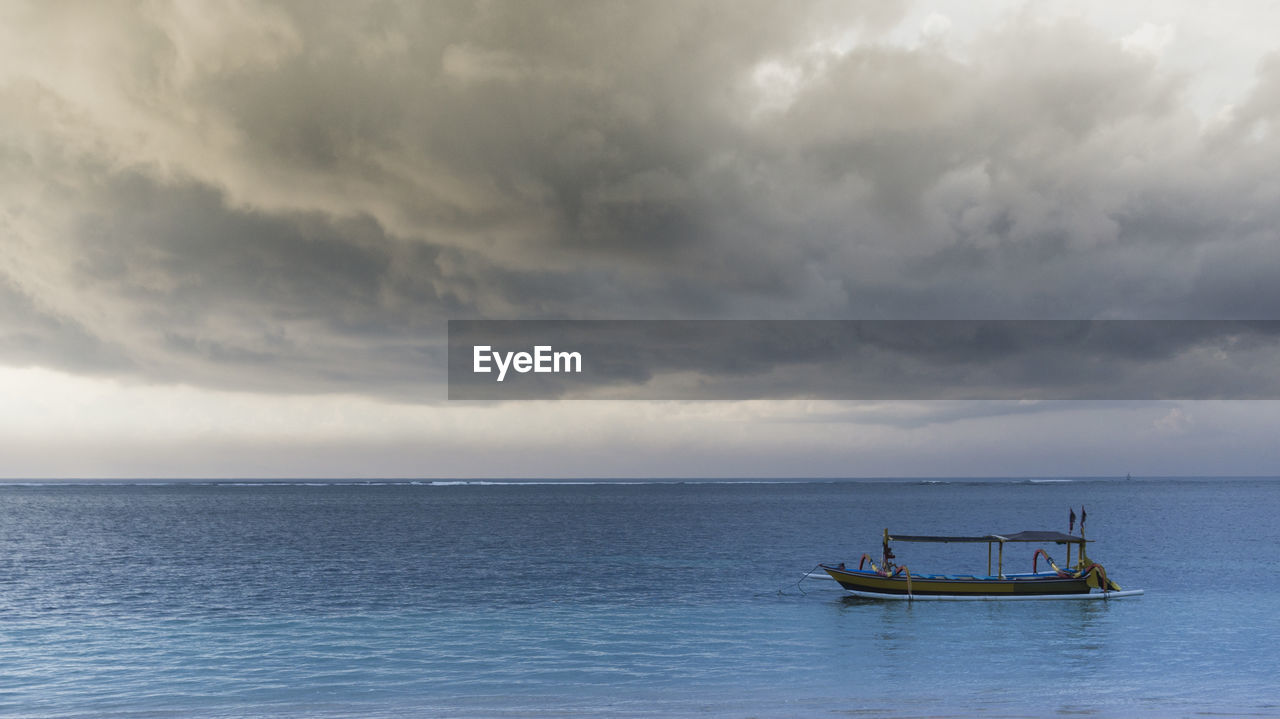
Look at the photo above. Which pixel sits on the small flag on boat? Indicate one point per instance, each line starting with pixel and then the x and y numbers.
pixel 1082 515
pixel 1071 523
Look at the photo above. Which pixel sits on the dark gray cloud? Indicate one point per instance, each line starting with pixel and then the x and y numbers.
pixel 293 197
pixel 30 336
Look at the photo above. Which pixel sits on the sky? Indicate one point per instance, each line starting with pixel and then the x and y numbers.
pixel 232 234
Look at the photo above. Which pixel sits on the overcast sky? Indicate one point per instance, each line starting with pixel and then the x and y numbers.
pixel 231 233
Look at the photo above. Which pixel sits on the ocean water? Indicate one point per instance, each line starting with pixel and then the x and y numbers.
pixel 621 600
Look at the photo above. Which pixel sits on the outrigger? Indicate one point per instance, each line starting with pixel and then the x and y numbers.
pixel 1085 580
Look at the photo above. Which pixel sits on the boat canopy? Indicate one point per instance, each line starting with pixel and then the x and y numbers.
pixel 1027 536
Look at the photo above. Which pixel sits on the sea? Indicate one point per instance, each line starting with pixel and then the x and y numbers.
pixel 465 599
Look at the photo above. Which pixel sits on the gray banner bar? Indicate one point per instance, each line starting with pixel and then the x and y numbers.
pixel 864 359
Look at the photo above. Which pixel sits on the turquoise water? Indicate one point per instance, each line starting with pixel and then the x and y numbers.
pixel 630 600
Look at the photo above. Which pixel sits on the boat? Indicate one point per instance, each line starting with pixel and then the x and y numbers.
pixel 1085 579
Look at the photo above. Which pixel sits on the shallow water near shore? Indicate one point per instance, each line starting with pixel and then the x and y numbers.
pixel 246 599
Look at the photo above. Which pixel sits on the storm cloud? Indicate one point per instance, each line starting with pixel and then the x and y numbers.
pixel 294 197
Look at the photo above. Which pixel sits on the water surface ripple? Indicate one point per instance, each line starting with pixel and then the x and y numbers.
pixel 634 600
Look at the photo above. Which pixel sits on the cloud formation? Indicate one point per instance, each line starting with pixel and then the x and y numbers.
pixel 294 196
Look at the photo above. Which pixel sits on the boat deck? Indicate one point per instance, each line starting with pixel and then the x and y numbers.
pixel 965 577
